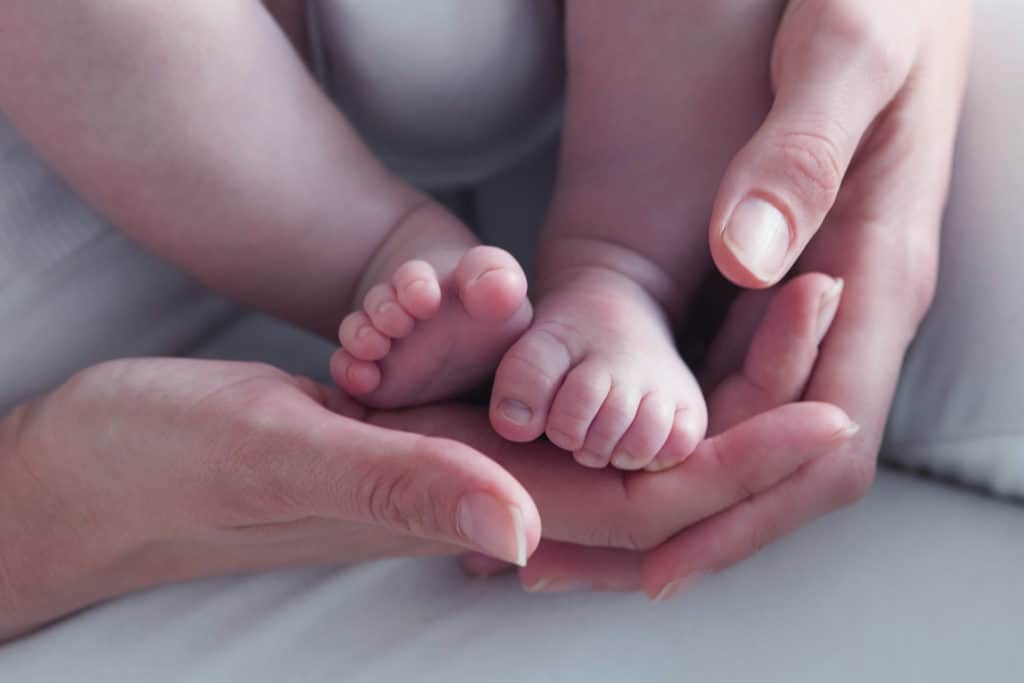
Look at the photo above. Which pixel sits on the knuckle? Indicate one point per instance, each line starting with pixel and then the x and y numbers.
pixel 400 499
pixel 742 488
pixel 854 29
pixel 813 164
pixel 386 499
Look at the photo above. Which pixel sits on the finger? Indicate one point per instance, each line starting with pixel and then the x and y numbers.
pixel 870 331
pixel 641 509
pixel 724 471
pixel 781 356
pixel 432 488
pixel 781 353
pixel 836 65
pixel 839 478
pixel 564 567
pixel 482 566
pixel 729 346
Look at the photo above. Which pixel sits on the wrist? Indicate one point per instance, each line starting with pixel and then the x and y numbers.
pixel 53 559
pixel 18 531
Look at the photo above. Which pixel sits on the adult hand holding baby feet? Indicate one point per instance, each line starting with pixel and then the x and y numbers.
pixel 437 312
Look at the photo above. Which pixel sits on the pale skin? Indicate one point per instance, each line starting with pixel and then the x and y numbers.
pixel 597 371
pixel 650 126
pixel 272 200
pixel 885 223
pixel 855 154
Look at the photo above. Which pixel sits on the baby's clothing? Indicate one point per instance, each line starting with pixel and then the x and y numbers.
pixel 446 92
pixel 74 291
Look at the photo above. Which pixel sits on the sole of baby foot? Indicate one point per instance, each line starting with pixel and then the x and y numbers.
pixel 423 335
pixel 598 373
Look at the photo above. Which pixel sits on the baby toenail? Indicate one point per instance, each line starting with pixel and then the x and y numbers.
pixel 482 275
pixel 417 286
pixel 624 460
pixel 364 331
pixel 659 465
pixel 516 411
pixel 590 459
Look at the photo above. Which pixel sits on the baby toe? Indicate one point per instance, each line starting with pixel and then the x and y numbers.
pixel 359 337
pixel 491 283
pixel 525 383
pixel 417 289
pixel 387 315
pixel 354 376
pixel 610 424
pixel 576 405
pixel 646 436
pixel 688 427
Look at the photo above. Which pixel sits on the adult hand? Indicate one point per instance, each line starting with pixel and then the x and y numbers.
pixel 143 472
pixel 858 143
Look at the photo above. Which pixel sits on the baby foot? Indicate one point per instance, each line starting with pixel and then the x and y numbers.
pixel 599 373
pixel 423 335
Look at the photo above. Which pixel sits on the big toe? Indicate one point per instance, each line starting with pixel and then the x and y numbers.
pixel 491 283
pixel 525 384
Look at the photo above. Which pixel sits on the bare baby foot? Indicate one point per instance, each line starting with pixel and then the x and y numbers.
pixel 599 373
pixel 423 335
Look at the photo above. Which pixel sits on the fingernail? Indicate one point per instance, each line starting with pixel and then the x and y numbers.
pixel 483 566
pixel 516 411
pixel 827 309
pixel 493 527
pixel 674 588
pixel 490 271
pixel 558 585
pixel 848 432
pixel 758 236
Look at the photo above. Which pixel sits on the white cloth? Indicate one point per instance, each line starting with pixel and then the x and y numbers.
pixel 74 291
pixel 959 411
pixel 446 92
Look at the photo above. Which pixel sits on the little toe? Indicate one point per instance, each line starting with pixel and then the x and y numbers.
pixel 648 433
pixel 576 404
pixel 387 315
pixel 525 383
pixel 361 339
pixel 417 289
pixel 610 424
pixel 688 427
pixel 354 376
pixel 491 283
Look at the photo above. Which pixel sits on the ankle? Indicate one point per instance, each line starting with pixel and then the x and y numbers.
pixel 425 231
pixel 561 259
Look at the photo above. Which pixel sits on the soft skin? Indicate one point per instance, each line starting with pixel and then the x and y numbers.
pixel 142 472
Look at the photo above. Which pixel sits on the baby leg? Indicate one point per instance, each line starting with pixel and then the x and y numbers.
pixel 655 109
